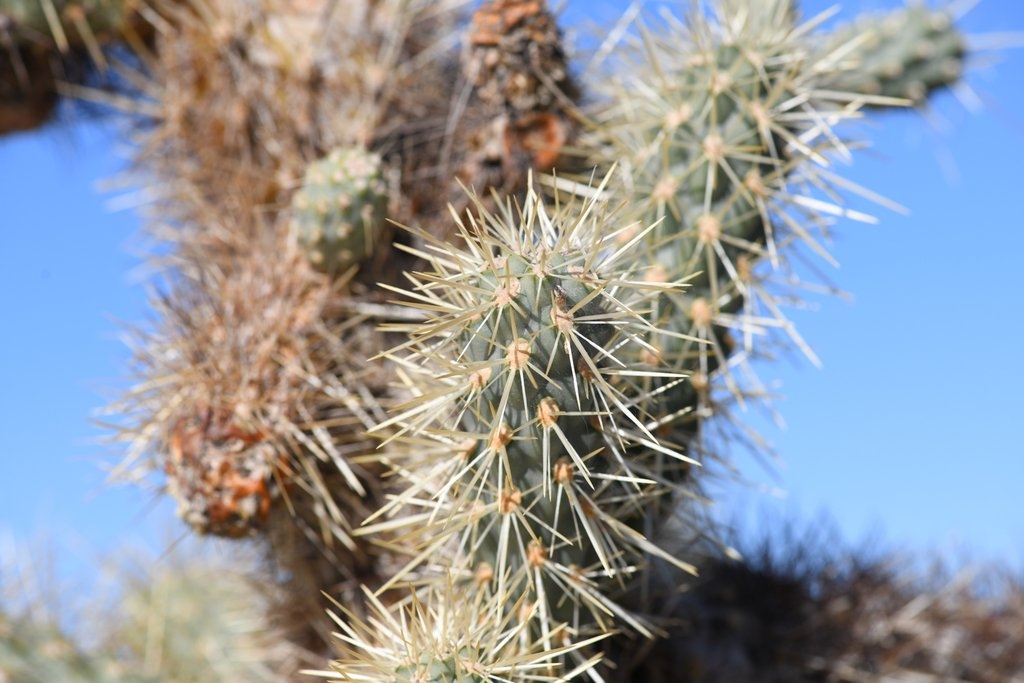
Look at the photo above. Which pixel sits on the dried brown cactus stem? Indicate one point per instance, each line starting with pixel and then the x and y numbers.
pixel 245 96
pixel 523 93
pixel 516 59
pixel 260 417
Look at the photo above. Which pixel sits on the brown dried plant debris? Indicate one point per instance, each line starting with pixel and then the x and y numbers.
pixel 515 57
pixel 501 152
pixel 239 97
pixel 253 393
pixel 966 626
pixel 521 114
pixel 222 473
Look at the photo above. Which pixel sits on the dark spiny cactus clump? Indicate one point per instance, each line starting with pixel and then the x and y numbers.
pixel 805 611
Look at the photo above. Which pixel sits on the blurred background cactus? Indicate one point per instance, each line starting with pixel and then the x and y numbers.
pixel 452 331
pixel 187 616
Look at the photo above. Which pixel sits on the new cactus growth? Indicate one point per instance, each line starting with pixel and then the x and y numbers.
pixel 339 211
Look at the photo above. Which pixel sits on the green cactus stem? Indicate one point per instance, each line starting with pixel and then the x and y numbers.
pixel 528 430
pixel 724 131
pixel 905 54
pixel 339 209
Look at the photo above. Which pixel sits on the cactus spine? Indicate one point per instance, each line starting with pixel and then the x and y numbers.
pixel 725 129
pixel 543 447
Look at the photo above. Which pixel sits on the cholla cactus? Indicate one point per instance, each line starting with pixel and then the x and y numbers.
pixel 906 54
pixel 338 213
pixel 184 616
pixel 725 129
pixel 503 494
pixel 527 426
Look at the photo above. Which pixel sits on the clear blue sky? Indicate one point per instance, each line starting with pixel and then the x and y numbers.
pixel 909 430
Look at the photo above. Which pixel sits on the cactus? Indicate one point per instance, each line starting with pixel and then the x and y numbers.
pixel 438 638
pixel 906 54
pixel 259 420
pixel 544 458
pixel 338 212
pixel 725 130
pixel 485 441
pixel 184 616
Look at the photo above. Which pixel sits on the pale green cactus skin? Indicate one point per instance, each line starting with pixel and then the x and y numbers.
pixel 709 139
pixel 338 211
pixel 534 367
pixel 714 110
pixel 430 671
pixel 905 54
pixel 433 670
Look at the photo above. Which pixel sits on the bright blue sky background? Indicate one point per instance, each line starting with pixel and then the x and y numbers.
pixel 909 433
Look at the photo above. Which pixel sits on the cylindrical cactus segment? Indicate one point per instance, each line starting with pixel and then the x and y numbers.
pixel 339 209
pixel 710 139
pixel 546 451
pixel 723 129
pixel 907 53
pixel 713 130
